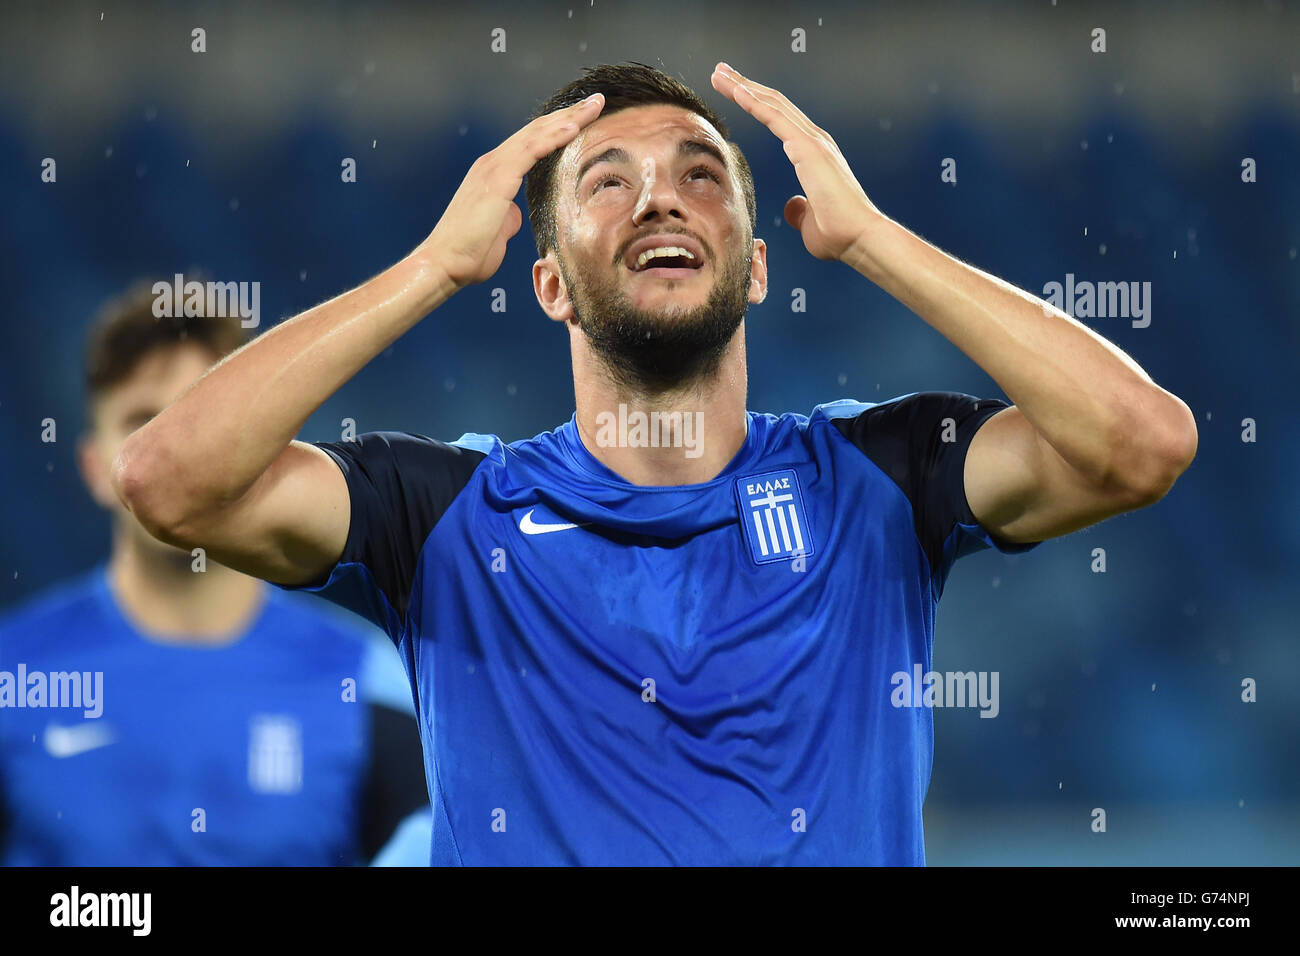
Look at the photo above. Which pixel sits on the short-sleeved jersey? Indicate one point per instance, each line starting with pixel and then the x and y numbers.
pixel 609 673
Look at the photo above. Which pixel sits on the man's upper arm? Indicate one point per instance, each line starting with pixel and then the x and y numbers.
pixel 1021 489
pixel 348 519
pixel 398 487
pixel 290 527
pixel 920 441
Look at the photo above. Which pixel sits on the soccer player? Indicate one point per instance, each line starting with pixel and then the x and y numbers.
pixel 166 710
pixel 636 648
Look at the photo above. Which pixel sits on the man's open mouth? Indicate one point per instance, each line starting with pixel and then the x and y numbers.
pixel 664 258
pixel 670 257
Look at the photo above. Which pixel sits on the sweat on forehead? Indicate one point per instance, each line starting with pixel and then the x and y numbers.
pixel 627 134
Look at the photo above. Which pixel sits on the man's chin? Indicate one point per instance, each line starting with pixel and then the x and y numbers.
pixel 658 334
pixel 688 285
pixel 658 294
pixel 664 319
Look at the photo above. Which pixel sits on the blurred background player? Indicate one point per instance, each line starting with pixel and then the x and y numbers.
pixel 236 725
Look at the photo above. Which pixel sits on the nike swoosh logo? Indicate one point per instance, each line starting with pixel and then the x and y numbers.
pixel 70 741
pixel 528 526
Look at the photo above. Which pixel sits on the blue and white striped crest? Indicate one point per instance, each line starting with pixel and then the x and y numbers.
pixel 773 518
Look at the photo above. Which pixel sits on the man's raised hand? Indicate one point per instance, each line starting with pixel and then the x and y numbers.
pixel 469 243
pixel 834 213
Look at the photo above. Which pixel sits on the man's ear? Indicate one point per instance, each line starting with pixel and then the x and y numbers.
pixel 548 286
pixel 94 472
pixel 758 273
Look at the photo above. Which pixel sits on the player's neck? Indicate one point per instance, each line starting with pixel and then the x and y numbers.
pixel 682 436
pixel 167 600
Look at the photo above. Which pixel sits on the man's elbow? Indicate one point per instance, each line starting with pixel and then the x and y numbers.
pixel 1164 450
pixel 142 485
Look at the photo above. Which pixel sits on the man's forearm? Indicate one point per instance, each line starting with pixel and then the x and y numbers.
pixel 1092 402
pixel 209 446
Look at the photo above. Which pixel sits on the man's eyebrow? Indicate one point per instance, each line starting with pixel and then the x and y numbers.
pixel 617 154
pixel 698 147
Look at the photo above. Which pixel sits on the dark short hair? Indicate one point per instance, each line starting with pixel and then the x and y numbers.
pixel 625 85
pixel 126 330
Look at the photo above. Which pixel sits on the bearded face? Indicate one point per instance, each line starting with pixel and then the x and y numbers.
pixel 665 346
pixel 654 247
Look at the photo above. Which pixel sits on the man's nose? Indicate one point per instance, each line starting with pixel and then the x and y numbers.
pixel 658 196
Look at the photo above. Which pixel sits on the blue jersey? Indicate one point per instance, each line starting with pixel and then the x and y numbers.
pixel 117 749
pixel 609 673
